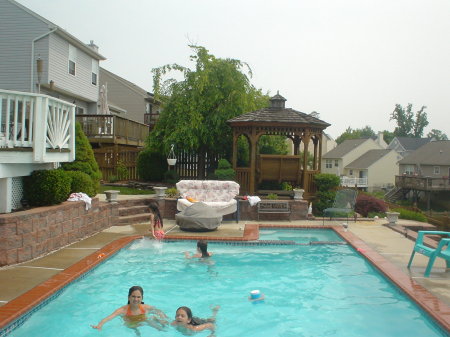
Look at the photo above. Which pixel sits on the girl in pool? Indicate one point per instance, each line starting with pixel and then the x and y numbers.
pixel 202 250
pixel 186 323
pixel 156 222
pixel 135 312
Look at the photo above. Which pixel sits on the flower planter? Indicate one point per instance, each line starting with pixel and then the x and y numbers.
pixel 392 217
pixel 160 191
pixel 171 162
pixel 111 195
pixel 298 193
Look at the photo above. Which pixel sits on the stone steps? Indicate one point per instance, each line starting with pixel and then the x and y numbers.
pixel 134 219
pixel 133 210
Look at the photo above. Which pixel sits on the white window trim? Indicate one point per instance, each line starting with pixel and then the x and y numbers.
pixel 328 163
pixel 436 170
pixel 94 69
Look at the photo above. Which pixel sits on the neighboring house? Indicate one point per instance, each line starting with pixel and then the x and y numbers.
pixel 349 150
pixel 376 169
pixel 406 145
pixel 328 143
pixel 430 160
pixel 129 100
pixel 45 75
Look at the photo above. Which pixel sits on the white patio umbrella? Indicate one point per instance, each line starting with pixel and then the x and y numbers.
pixel 104 110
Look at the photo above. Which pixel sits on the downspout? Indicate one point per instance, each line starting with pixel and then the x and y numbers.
pixel 32 56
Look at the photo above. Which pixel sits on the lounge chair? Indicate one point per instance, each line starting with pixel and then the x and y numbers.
pixel 431 252
pixel 343 205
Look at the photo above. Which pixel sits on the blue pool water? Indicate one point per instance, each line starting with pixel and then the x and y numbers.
pixel 302 236
pixel 317 290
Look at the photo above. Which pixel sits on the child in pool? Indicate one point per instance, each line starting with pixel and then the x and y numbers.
pixel 135 312
pixel 156 222
pixel 202 250
pixel 186 323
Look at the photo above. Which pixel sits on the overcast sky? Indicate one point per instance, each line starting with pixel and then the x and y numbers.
pixel 349 60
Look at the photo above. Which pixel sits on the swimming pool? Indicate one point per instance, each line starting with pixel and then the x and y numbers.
pixel 300 236
pixel 317 290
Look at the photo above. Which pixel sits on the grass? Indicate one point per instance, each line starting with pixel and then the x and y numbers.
pixel 125 190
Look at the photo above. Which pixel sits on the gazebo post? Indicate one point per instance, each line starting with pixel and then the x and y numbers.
pixel 252 162
pixel 306 138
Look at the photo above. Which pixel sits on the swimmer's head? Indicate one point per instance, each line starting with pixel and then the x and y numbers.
pixel 135 289
pixel 202 246
pixel 183 315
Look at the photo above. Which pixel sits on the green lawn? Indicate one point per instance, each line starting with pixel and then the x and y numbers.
pixel 125 190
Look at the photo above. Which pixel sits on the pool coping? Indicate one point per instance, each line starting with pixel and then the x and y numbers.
pixel 23 304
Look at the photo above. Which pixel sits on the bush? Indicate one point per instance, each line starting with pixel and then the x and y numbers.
pixel 224 171
pixel 285 186
pixel 326 181
pixel 272 196
pixel 81 182
pixel 367 203
pixel 122 170
pixel 171 177
pixel 172 192
pixel 323 200
pixel 151 165
pixel 84 158
pixel 45 188
pixel 326 191
pixel 410 215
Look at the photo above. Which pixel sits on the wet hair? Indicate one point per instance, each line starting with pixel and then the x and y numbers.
pixel 194 320
pixel 134 288
pixel 155 210
pixel 203 246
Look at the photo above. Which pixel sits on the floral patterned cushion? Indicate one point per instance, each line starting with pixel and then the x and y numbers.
pixel 208 190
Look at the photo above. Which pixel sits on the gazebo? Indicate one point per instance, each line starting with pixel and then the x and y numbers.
pixel 300 127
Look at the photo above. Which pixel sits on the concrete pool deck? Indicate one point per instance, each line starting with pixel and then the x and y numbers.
pixel 393 246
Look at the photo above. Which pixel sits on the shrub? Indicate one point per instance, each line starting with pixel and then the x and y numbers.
pixel 272 196
pixel 326 181
pixel 285 186
pixel 367 203
pixel 84 158
pixel 151 165
pixel 323 200
pixel 171 177
pixel 122 170
pixel 410 215
pixel 45 188
pixel 172 192
pixel 81 182
pixel 224 171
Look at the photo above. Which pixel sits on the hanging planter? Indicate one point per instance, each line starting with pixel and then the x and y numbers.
pixel 171 159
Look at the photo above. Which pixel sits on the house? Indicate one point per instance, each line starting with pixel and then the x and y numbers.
pixel 46 75
pixel 430 160
pixel 129 100
pixel 377 167
pixel 38 56
pixel 406 145
pixel 349 150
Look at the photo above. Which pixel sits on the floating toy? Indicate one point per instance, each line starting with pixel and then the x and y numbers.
pixel 256 297
pixel 101 255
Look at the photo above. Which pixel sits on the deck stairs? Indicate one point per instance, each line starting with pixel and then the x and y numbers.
pixel 133 212
pixel 395 194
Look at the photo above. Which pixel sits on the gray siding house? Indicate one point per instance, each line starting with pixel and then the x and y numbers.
pixel 38 56
pixel 129 100
pixel 407 145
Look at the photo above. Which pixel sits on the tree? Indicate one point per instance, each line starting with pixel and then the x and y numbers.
pixel 437 134
pixel 349 133
pixel 408 123
pixel 270 144
pixel 196 108
pixel 388 136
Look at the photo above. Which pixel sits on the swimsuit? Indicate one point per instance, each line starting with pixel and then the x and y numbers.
pixel 129 317
pixel 159 233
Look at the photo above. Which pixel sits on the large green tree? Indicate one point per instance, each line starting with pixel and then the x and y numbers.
pixel 196 108
pixel 409 124
pixel 350 133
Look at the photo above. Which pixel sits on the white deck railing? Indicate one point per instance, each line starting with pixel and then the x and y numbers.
pixel 36 121
pixel 352 182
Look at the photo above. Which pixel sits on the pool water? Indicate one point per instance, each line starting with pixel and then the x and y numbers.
pixel 317 290
pixel 302 236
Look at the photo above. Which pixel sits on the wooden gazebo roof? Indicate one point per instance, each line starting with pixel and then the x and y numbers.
pixel 277 114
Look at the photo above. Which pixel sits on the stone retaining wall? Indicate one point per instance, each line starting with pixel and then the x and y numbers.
pixel 29 234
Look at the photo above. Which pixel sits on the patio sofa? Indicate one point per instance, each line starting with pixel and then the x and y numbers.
pixel 217 194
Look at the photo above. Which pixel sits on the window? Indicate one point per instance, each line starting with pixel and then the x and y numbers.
pixel 409 169
pixel 350 172
pixel 336 163
pixel 148 108
pixel 436 170
pixel 328 163
pixel 94 72
pixel 79 111
pixel 72 59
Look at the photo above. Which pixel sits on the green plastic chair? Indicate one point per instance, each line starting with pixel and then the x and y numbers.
pixel 431 252
pixel 344 204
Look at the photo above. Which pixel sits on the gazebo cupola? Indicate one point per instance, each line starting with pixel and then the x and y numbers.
pixel 277 101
